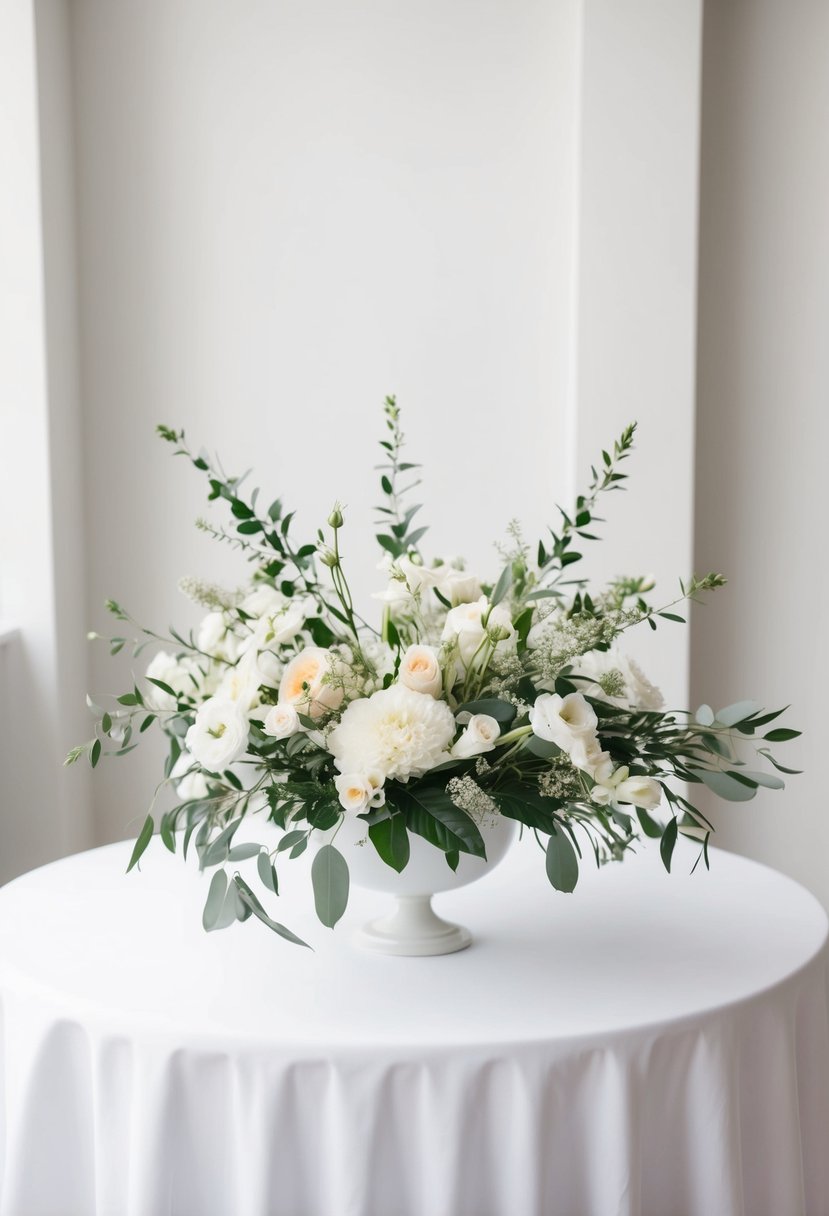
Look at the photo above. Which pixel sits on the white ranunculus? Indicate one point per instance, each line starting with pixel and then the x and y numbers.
pixel 465 627
pixel 174 672
pixel 216 637
pixel 396 732
pixel 643 792
pixel 480 736
pixel 637 692
pixel 420 670
pixel 281 721
pixel 309 682
pixel 358 791
pixel 219 735
pixel 560 719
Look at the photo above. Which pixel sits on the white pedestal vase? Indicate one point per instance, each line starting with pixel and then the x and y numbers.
pixel 413 928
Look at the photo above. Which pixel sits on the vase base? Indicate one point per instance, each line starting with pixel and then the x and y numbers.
pixel 413 929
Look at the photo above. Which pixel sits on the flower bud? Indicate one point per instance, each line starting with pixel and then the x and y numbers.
pixel 335 519
pixel 328 558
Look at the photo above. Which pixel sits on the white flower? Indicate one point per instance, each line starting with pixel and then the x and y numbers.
pixel 465 627
pixel 275 628
pixel 395 732
pixel 358 792
pixel 561 719
pixel 480 736
pixel 264 600
pixel 586 753
pixel 173 672
pixel 458 586
pixel 191 782
pixel 420 670
pixel 216 637
pixel 643 792
pixel 307 682
pixel 635 691
pixel 242 682
pixel 281 721
pixel 219 734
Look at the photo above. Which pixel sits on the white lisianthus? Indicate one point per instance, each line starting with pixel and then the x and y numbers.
pixel 641 791
pixel 586 753
pixel 465 627
pixel 219 735
pixel 358 792
pixel 561 719
pixel 216 637
pixel 617 678
pixel 420 670
pixel 395 732
pixel 307 682
pixel 175 673
pixel 281 721
pixel 241 683
pixel 480 736
pixel 276 628
pixel 263 600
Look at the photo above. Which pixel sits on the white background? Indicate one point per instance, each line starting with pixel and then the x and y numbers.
pixel 254 220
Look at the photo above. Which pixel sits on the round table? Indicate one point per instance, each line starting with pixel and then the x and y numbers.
pixel 651 1044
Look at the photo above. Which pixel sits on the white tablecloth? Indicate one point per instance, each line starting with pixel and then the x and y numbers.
pixel 650 1044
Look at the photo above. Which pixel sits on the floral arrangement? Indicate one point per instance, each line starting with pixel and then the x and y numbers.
pixel 465 699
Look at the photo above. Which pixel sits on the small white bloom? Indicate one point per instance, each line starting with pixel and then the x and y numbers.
pixel 242 682
pixel 643 792
pixel 358 792
pixel 636 690
pixel 395 732
pixel 190 780
pixel 216 637
pixel 480 736
pixel 264 600
pixel 458 586
pixel 559 719
pixel 307 684
pixel 420 670
pixel 586 753
pixel 281 721
pixel 219 735
pixel 173 672
pixel 465 626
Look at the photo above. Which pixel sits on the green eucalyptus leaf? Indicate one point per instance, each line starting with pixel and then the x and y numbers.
pixel 215 900
pixel 562 862
pixel 666 846
pixel 144 838
pixel 330 879
pixel 732 714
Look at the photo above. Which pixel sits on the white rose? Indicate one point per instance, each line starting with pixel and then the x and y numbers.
pixel 420 670
pixel 465 626
pixel 307 682
pixel 215 637
pixel 219 735
pixel 480 736
pixel 358 792
pixel 560 719
pixel 643 792
pixel 395 732
pixel 281 721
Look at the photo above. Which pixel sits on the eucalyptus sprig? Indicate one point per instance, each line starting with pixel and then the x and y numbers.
pixel 400 538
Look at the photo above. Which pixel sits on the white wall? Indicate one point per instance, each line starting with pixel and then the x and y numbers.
pixel 286 212
pixel 763 390
pixel 44 812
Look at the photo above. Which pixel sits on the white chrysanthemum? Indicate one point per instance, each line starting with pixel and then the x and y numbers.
pixel 618 679
pixel 395 732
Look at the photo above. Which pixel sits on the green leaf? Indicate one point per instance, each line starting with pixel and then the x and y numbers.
pixel 242 852
pixel 168 836
pixel 765 779
pixel 217 850
pixel 562 862
pixel 329 875
pixel 144 838
pixel 732 714
pixel 267 872
pixel 649 826
pixel 725 785
pixel 452 860
pixel 501 711
pixel 95 753
pixel 289 840
pixel 129 698
pixel 164 687
pixel 781 735
pixel 666 845
pixel 433 815
pixel 258 911
pixel 215 900
pixel 502 586
pixel 391 840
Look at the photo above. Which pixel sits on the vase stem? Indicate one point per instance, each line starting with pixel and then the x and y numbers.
pixel 413 928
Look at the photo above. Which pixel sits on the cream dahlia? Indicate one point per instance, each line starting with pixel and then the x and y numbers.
pixel 396 732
